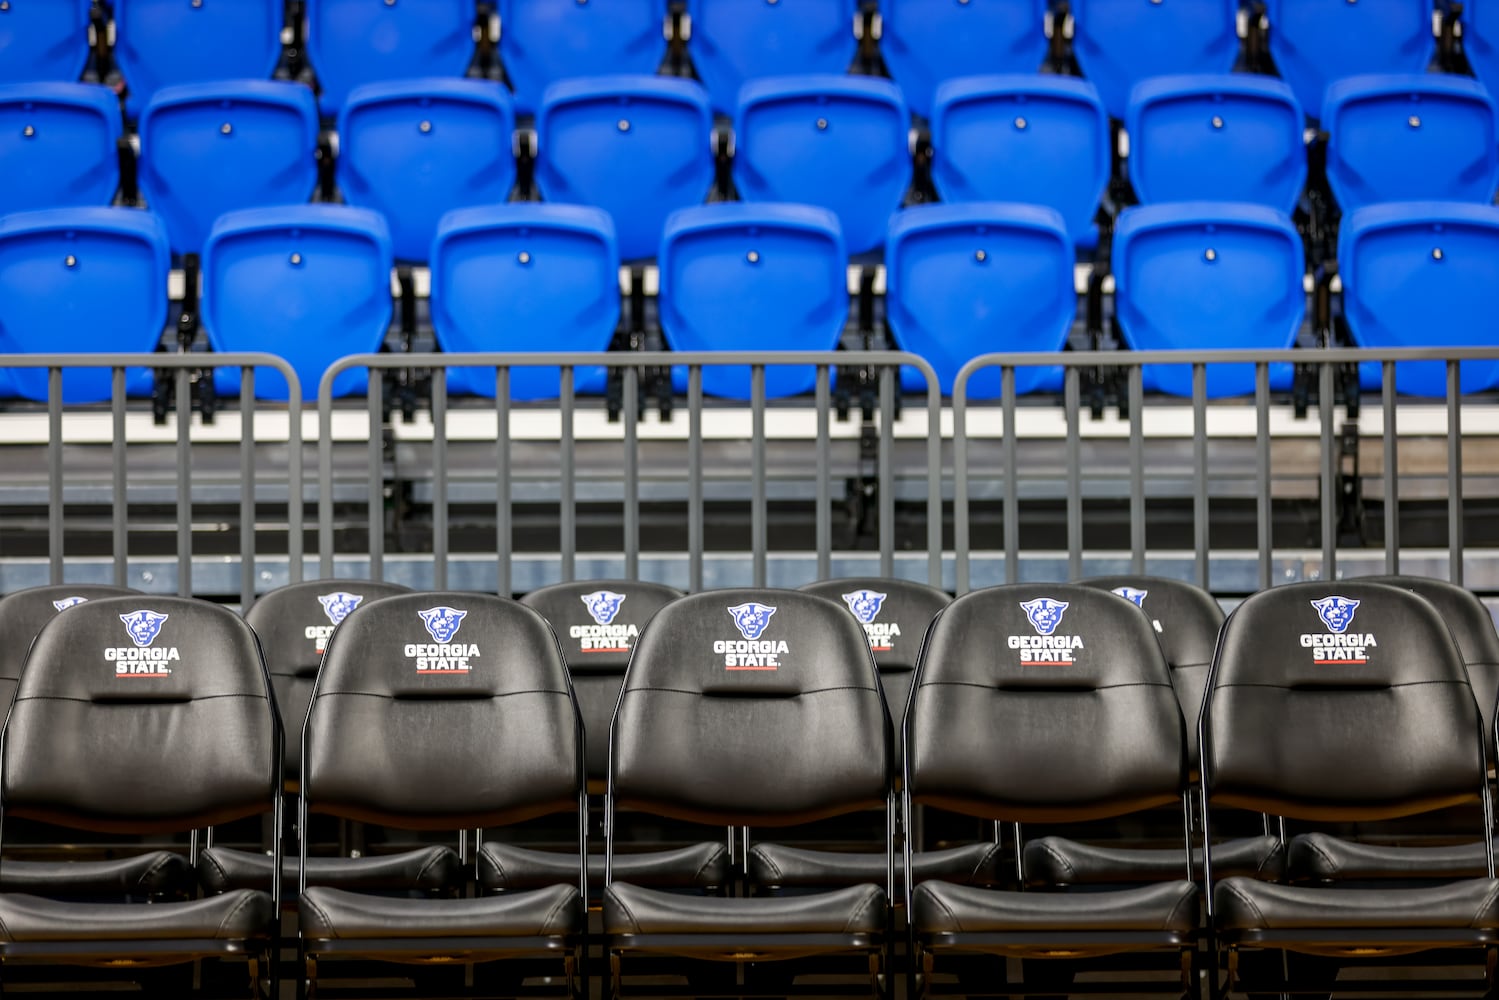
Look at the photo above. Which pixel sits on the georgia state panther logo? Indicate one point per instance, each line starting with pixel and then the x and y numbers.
pixel 442 622
pixel 1336 612
pixel 1134 594
pixel 865 604
pixel 751 619
pixel 338 605
pixel 603 605
pixel 1045 614
pixel 143 626
pixel 69 602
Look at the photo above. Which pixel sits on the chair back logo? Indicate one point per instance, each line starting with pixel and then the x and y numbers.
pixel 442 622
pixel 752 618
pixel 865 604
pixel 338 604
pixel 68 602
pixel 1045 614
pixel 1133 594
pixel 1336 612
pixel 603 605
pixel 143 626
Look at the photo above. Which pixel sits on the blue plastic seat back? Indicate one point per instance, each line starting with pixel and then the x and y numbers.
pixel 1411 138
pixel 525 277
pixel 735 41
pixel 162 43
pixel 1480 19
pixel 414 150
pixel 58 145
pixel 354 42
pixel 1042 140
pixel 835 141
pixel 212 148
pixel 43 40
pixel 1223 137
pixel 1195 276
pixel 81 280
pixel 753 277
pixel 964 280
pixel 309 283
pixel 1118 43
pixel 542 41
pixel 1314 44
pixel 926 42
pixel 1422 274
pixel 639 147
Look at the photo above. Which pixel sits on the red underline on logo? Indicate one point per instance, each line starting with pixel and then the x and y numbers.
pixel 1042 663
pixel 451 670
pixel 142 675
pixel 1342 661
pixel 881 649
pixel 751 668
pixel 611 649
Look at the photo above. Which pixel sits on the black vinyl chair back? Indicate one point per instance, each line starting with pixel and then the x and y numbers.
pixel 598 623
pixel 143 715
pixel 751 708
pixel 22 615
pixel 294 624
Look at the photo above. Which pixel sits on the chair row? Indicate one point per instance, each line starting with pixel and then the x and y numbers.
pixel 642 147
pixel 1029 704
pixel 1116 43
pixel 962 280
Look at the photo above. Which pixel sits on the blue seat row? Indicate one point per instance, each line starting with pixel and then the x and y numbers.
pixel 311 283
pixel 1117 43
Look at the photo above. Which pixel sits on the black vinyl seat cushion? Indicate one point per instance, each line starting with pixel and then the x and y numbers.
pixel 636 910
pixel 944 908
pixel 1060 861
pixel 795 867
pixel 229 917
pixel 1322 857
pixel 1249 905
pixel 505 867
pixel 327 914
pixel 429 869
pixel 155 873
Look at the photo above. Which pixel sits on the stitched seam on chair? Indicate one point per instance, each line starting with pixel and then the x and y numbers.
pixel 552 914
pixel 1175 910
pixel 857 915
pixel 1234 890
pixel 1487 902
pixel 321 914
pixel 500 878
pixel 4 930
pixel 432 862
pixel 623 909
pixel 1327 859
pixel 152 870
pixel 983 860
pixel 709 863
pixel 1294 687
pixel 1059 859
pixel 767 862
pixel 209 859
pixel 1267 858
pixel 1015 687
pixel 475 696
pixel 957 924
pixel 249 897
pixel 695 693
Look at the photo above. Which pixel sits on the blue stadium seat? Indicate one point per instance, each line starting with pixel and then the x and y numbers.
pixel 1314 44
pixel 753 277
pixel 58 145
pixel 928 41
pixel 1037 139
pixel 542 41
pixel 417 149
pixel 839 142
pixel 161 43
pixel 1220 137
pixel 735 41
pixel 525 277
pixel 1426 137
pixel 352 42
pixel 310 283
pixel 211 148
pixel 638 147
pixel 1200 275
pixel 80 280
pixel 43 40
pixel 966 279
pixel 1118 43
pixel 1422 274
pixel 1480 22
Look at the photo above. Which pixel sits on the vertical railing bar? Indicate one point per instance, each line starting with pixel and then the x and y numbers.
pixel 439 478
pixel 376 515
pixel 1329 474
pixel 933 481
pixel 569 455
pixel 294 501
pixel 325 483
pixel 119 529
pixel 885 475
pixel 503 527
pixel 184 485
pixel 632 473
pixel 1073 401
pixel 1200 471
pixel 54 476
pixel 1263 512
pixel 1391 470
pixel 695 478
pixel 1012 477
pixel 1137 540
pixel 247 486
pixel 758 540
pixel 960 540
pixel 1454 474
pixel 824 514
